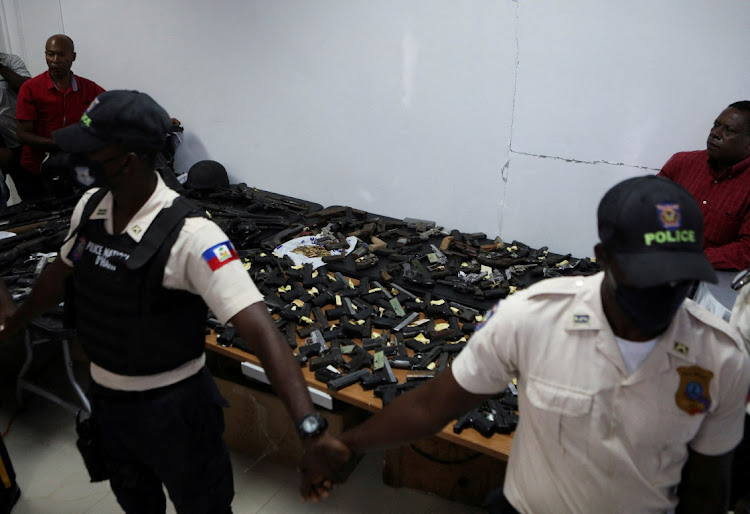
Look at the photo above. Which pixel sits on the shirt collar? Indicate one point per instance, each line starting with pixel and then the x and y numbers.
pixel 587 313
pixel 161 198
pixel 51 85
pixel 734 171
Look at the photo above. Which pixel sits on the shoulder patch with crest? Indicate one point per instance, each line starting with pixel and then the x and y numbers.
pixel 219 255
pixel 77 252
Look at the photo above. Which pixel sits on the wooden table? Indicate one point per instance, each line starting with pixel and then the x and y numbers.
pixel 497 446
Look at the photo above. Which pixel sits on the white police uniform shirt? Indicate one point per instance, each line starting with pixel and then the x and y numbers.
pixel 592 437
pixel 220 280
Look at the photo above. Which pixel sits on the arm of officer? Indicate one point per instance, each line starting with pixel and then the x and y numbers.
pixel 48 291
pixel 419 413
pixel 256 326
pixel 413 415
pixel 212 270
pixel 704 487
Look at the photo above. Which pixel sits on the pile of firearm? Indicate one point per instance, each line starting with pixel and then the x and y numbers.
pixel 419 294
pixel 415 253
pixel 350 333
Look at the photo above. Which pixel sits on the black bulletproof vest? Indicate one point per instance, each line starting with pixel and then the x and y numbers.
pixel 127 322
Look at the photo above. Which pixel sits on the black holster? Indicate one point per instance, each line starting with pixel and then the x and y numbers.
pixel 90 445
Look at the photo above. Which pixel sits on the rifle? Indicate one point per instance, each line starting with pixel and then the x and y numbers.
pixel 38 244
pixel 266 200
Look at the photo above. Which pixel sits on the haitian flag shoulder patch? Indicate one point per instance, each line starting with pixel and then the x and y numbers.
pixel 220 254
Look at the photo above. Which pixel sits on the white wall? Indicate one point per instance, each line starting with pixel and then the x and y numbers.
pixel 496 115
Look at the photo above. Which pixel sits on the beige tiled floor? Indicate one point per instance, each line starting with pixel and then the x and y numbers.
pixel 41 442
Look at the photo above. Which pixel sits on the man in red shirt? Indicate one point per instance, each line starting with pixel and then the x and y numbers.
pixel 55 99
pixel 719 179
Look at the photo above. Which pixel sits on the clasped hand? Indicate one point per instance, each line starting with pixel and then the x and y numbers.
pixel 321 465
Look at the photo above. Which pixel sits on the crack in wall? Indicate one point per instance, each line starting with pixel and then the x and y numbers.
pixel 578 161
pixel 505 170
pixel 506 166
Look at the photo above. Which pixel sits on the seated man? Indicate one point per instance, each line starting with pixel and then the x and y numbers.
pixel 719 179
pixel 55 99
pixel 13 73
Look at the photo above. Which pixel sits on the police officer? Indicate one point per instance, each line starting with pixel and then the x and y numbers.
pixel 144 264
pixel 631 398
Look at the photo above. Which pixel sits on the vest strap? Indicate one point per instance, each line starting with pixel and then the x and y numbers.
pixel 162 226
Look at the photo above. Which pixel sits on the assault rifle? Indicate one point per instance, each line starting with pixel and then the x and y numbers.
pixel 48 242
pixel 266 201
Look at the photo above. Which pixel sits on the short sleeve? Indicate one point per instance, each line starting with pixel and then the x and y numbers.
pixel 202 262
pixel 490 359
pixel 723 428
pixel 75 219
pixel 17 65
pixel 25 108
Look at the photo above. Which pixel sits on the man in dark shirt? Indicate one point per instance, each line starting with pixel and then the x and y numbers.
pixel 55 99
pixel 719 179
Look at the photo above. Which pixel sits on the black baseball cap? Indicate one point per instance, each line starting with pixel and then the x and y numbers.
pixel 117 116
pixel 207 175
pixel 653 228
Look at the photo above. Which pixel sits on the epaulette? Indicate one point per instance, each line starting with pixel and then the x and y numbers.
pixel 164 224
pixel 556 286
pixel 713 321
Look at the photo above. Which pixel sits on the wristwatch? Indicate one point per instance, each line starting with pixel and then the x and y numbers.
pixel 311 425
pixel 739 280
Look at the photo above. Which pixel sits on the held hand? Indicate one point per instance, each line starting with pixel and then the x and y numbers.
pixel 324 458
